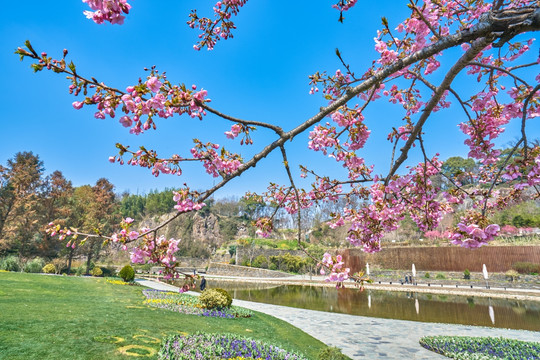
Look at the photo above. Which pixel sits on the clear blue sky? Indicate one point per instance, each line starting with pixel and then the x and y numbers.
pixel 261 74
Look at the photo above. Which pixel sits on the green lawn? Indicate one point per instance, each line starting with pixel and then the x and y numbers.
pixel 59 317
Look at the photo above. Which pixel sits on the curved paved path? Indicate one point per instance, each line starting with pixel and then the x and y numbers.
pixel 361 337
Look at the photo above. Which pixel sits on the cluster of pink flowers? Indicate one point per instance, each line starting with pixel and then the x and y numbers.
pixel 411 194
pixel 471 235
pixel 509 230
pixel 107 10
pixel 184 201
pixel 524 173
pixel 149 159
pixel 435 234
pixel 223 164
pixel 158 250
pixel 335 268
pixel 344 5
pixel 54 229
pixel 387 56
pixel 164 101
pixel 326 190
pixel 323 137
pixel 235 130
pixel 220 27
pixel 264 227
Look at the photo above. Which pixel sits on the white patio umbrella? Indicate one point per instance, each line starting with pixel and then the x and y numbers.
pixel 485 272
pixel 367 269
pixel 413 273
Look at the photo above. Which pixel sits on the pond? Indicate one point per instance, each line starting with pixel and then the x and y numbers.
pixel 480 311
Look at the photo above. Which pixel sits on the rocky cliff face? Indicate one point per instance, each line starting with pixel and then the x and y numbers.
pixel 206 230
pixel 196 230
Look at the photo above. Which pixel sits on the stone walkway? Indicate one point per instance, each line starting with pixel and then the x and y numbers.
pixel 361 337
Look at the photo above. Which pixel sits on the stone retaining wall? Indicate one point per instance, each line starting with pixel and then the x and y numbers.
pixel 243 271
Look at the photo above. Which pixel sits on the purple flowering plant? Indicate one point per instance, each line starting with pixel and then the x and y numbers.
pixel 189 304
pixel 221 346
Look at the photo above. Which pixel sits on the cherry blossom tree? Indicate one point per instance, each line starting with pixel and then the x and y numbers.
pixel 491 40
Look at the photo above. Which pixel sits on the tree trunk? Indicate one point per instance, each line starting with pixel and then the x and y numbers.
pixel 70 257
pixel 89 260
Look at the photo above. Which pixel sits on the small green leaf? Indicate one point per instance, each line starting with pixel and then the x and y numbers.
pixel 72 66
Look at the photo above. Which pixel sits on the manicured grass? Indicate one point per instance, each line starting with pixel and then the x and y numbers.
pixel 463 348
pixel 59 317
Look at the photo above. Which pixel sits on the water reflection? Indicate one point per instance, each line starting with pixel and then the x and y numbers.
pixel 470 310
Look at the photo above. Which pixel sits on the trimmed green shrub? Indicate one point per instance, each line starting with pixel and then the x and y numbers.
pixel 34 266
pixel 127 273
pixel 440 276
pixel 331 353
pixel 512 275
pixel 526 267
pixel 10 263
pixel 49 269
pixel 467 274
pixel 260 262
pixel 426 275
pixel 109 271
pixel 232 261
pixel 213 299
pixel 227 295
pixel 96 271
pixel 81 270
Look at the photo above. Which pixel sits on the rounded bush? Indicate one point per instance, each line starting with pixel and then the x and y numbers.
pixel 80 270
pixel 512 275
pixel 331 353
pixel 34 266
pixel 109 271
pixel 96 271
pixel 127 273
pixel 213 299
pixel 10 263
pixel 226 294
pixel 49 269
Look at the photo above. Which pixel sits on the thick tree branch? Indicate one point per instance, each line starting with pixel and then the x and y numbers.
pixel 474 50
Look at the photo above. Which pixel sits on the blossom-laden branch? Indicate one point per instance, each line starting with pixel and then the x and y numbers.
pixel 340 129
pixel 220 27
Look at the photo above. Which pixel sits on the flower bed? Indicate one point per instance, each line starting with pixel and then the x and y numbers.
pixel 485 348
pixel 189 304
pixel 118 281
pixel 221 346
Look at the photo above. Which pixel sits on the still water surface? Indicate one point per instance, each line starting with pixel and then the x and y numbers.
pixel 451 309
